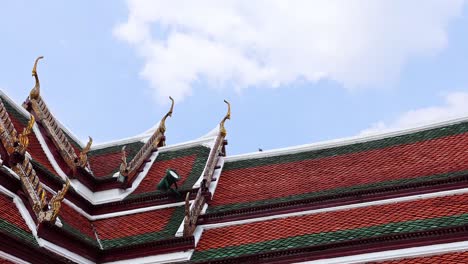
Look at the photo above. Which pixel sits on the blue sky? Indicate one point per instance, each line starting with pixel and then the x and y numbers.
pixel 295 72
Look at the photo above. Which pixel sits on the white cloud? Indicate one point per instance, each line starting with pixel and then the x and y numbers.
pixel 273 42
pixel 455 106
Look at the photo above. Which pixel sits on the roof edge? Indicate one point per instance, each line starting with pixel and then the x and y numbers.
pixel 342 141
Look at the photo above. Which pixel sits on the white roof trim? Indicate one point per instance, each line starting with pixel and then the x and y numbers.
pixel 121 213
pixel 27 217
pixel 340 208
pixel 112 195
pixel 396 254
pixel 32 226
pixel 181 256
pixel 4 255
pixel 123 141
pixel 20 109
pixel 341 142
pixel 362 258
pixel 207 142
pixel 164 258
pixel 48 153
pixel 63 252
pixel 22 210
pixel 118 142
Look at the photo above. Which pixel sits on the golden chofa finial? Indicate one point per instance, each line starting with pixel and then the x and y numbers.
pixel 34 94
pixel 56 202
pixel 162 124
pixel 84 154
pixel 23 139
pixel 222 129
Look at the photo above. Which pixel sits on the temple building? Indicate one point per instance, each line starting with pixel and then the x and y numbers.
pixel 399 197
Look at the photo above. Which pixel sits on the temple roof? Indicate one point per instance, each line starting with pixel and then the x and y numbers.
pixel 400 197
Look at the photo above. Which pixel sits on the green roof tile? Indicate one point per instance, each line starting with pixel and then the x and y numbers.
pixel 330 237
pixel 357 147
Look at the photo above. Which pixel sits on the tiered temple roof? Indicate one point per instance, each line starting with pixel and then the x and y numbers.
pixel 399 197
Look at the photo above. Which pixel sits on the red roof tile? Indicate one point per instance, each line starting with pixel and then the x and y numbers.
pixel 134 224
pixel 104 165
pixel 449 258
pixel 182 165
pixel 9 212
pixel 424 158
pixel 38 154
pixel 333 221
pixel 76 220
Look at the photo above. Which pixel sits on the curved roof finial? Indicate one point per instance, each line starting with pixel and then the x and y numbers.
pixel 162 125
pixel 83 158
pixel 34 94
pixel 56 202
pixel 23 139
pixel 222 129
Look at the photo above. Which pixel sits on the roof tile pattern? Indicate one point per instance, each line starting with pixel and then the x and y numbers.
pixel 9 213
pixel 268 179
pixel 123 230
pixel 12 223
pixel 449 258
pixel 327 227
pixel 135 224
pixel 158 171
pixel 106 161
pixel 189 164
pixel 139 228
pixel 77 225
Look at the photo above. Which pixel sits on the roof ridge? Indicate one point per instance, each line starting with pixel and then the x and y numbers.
pixel 345 141
pixel 111 143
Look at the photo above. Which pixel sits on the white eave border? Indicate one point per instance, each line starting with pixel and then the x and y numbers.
pixel 342 141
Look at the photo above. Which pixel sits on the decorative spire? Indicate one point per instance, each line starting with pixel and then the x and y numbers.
pixel 193 212
pixel 162 124
pixel 83 162
pixel 77 164
pixel 23 138
pixel 128 171
pixel 35 92
pixel 222 129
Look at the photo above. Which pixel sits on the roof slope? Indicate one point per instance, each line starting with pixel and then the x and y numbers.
pixel 103 219
pixel 284 235
pixel 12 223
pixel 124 230
pixel 438 153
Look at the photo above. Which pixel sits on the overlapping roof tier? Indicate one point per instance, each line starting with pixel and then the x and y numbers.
pixel 357 229
pixel 407 163
pixel 393 198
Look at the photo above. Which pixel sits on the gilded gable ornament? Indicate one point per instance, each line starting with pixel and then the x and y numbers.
pixel 35 92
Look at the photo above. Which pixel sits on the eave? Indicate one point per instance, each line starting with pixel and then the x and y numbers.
pixel 353 247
